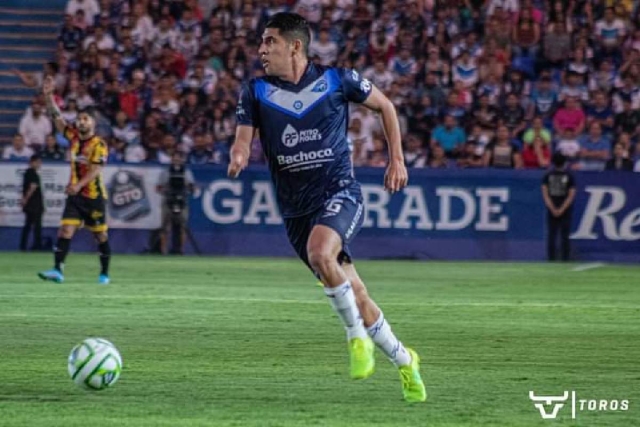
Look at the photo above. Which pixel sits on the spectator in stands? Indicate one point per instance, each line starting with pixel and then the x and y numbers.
pixel 415 156
pixel 164 34
pixel 379 75
pixel 600 112
pixel 537 154
pixel 51 150
pixel 167 149
pixel 537 130
pixel 620 160
pixel 501 152
pixel 70 37
pixel 568 145
pixel 471 155
pixel 103 40
pixel 70 111
pixel 629 91
pixel 324 49
pixel 35 126
pixel 557 45
pixel 595 149
pixel 201 153
pixel 438 158
pixel 187 45
pixel 513 116
pixel 570 117
pixel 89 8
pixel 544 100
pixel 609 33
pixel 526 36
pixel 449 136
pixel 142 29
pixel 574 88
pixel 628 121
pixel 18 150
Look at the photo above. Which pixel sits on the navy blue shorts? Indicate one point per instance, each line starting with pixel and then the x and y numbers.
pixel 342 213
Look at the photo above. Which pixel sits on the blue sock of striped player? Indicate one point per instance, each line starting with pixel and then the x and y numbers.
pixel 381 334
pixel 343 301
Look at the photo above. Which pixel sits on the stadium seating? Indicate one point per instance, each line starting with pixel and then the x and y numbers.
pixel 28 32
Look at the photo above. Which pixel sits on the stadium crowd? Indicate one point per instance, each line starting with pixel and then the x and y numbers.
pixel 477 83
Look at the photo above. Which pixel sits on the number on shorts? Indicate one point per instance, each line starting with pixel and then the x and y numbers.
pixel 334 206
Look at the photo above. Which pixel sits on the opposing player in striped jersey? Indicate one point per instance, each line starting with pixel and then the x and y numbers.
pixel 86 193
pixel 301 112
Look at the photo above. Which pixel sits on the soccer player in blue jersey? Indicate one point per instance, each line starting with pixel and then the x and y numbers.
pixel 301 112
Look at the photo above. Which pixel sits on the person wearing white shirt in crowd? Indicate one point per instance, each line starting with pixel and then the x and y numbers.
pixel 201 78
pixel 610 31
pixel 342 9
pixel 510 6
pixel 189 21
pixel 311 10
pixel 361 142
pixel 166 104
pixel 102 39
pixel 124 130
pixel 164 34
pixel 379 75
pixel 325 49
pixel 18 150
pixel 143 29
pixel 91 8
pixel 35 126
pixel 187 45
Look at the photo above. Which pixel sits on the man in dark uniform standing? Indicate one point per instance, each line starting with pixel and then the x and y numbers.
pixel 558 192
pixel 32 204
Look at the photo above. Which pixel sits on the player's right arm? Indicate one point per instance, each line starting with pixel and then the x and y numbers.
pixel 47 89
pixel 241 149
pixel 245 131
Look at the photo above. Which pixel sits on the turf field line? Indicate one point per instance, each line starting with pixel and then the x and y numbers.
pixel 322 301
pixel 589 266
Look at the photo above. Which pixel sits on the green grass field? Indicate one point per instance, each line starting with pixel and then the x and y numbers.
pixel 252 342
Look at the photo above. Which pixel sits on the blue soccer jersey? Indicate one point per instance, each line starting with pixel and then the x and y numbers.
pixel 303 131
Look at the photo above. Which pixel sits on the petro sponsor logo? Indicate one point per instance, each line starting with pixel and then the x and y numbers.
pixel 291 137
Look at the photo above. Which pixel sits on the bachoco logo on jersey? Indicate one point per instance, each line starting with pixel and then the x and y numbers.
pixel 291 137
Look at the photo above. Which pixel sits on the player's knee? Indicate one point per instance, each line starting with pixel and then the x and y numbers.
pixel 321 258
pixel 101 236
pixel 66 231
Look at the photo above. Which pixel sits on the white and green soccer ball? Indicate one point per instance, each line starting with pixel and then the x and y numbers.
pixel 95 364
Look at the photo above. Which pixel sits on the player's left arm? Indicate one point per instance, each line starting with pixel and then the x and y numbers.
pixel 396 176
pixel 96 163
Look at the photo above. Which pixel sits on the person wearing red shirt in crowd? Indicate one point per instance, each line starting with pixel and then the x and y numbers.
pixel 173 62
pixel 536 155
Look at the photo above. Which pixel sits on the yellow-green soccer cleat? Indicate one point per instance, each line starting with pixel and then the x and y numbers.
pixel 412 385
pixel 362 361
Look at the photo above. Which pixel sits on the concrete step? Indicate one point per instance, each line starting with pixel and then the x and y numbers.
pixel 25 29
pixel 26 66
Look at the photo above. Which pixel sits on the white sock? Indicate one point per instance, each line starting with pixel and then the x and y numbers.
pixel 343 301
pixel 381 334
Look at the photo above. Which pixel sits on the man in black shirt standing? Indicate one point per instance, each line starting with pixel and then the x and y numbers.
pixel 32 204
pixel 558 192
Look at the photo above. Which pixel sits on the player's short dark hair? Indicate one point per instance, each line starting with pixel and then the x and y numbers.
pixel 88 111
pixel 34 158
pixel 292 26
pixel 558 160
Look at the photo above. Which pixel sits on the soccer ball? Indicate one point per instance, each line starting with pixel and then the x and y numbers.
pixel 95 364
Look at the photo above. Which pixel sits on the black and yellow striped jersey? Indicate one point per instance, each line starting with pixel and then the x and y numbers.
pixel 84 153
